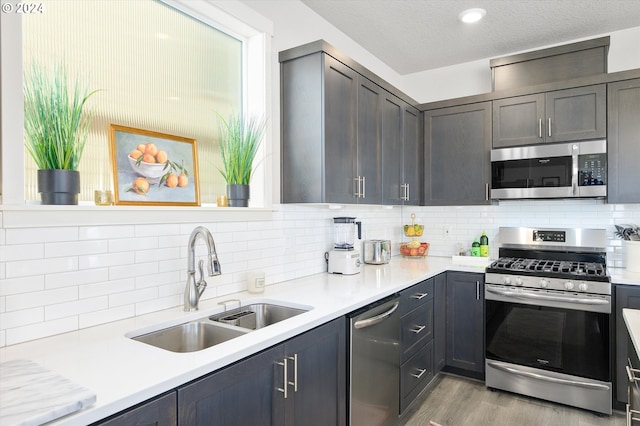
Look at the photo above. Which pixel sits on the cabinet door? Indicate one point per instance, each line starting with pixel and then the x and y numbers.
pixel 518 121
pixel 457 155
pixel 160 411
pixel 242 394
pixel 413 153
pixel 439 322
pixel 320 398
pixel 626 297
pixel 623 141
pixel 340 133
pixel 576 114
pixel 465 321
pixel 392 150
pixel 369 137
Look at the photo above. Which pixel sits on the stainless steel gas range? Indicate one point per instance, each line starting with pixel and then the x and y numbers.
pixel 548 317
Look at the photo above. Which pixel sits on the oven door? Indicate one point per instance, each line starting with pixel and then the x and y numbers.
pixel 549 330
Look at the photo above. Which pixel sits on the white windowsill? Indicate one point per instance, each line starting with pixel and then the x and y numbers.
pixel 31 216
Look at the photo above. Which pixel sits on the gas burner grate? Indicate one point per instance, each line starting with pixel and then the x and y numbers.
pixel 569 268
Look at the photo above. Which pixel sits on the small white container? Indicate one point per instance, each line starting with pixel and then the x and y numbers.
pixel 631 255
pixel 255 282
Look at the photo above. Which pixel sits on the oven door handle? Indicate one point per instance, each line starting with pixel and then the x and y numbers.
pixel 547 378
pixel 517 294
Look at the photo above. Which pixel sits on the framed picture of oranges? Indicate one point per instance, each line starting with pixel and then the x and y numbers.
pixel 151 168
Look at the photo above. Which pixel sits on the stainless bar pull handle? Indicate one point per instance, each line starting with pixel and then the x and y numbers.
pixel 364 187
pixel 477 290
pixel 356 191
pixel 283 389
pixel 540 127
pixel 421 372
pixel 368 322
pixel 295 372
pixel 419 296
pixel 418 329
pixel 549 127
pixel 407 199
pixel 486 192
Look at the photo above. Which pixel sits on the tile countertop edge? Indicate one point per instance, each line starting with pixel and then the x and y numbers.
pixel 123 372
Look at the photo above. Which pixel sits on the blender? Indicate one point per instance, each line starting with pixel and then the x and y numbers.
pixel 344 258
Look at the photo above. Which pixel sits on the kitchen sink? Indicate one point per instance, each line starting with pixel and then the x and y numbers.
pixel 190 337
pixel 257 315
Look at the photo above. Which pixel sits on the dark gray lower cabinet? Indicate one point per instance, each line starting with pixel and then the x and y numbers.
pixel 626 297
pixel 159 411
pixel 623 141
pixel 465 322
pixel 416 337
pixel 251 392
pixel 439 322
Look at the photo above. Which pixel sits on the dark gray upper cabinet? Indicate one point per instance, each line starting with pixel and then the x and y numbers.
pixel 623 141
pixel 559 116
pixel 465 321
pixel 457 155
pixel 251 392
pixel 401 153
pixel 331 133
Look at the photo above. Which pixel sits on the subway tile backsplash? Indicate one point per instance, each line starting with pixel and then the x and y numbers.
pixel 59 279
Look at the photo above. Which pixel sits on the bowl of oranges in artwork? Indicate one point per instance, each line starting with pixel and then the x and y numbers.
pixel 146 160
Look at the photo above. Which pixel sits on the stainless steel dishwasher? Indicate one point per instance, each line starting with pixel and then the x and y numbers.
pixel 374 364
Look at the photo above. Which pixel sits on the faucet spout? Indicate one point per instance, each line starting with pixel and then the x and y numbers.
pixel 193 289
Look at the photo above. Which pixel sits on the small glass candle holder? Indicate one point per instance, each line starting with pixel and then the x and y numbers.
pixel 222 201
pixel 103 198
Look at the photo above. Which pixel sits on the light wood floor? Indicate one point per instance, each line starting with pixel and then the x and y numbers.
pixel 456 401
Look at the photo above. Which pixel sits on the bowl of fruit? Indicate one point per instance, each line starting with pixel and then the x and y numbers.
pixel 413 230
pixel 414 249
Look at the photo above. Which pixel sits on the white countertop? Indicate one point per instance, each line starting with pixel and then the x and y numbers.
pixel 123 372
pixel 622 276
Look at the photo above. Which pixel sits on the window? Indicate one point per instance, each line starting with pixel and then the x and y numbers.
pixel 156 68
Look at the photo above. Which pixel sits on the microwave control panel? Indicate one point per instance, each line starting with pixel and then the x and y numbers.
pixel 592 169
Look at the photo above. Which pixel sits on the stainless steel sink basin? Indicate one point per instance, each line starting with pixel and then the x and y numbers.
pixel 257 315
pixel 190 337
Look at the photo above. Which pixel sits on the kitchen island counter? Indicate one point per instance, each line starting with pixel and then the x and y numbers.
pixel 123 372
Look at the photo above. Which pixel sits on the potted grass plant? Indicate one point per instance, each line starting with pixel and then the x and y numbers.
pixel 240 138
pixel 56 130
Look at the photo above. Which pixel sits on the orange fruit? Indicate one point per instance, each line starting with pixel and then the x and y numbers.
pixel 183 180
pixel 150 149
pixel 161 157
pixel 172 181
pixel 140 148
pixel 140 186
pixel 148 158
pixel 135 154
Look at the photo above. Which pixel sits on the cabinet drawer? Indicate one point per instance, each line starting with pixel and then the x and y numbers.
pixel 415 374
pixel 415 296
pixel 416 329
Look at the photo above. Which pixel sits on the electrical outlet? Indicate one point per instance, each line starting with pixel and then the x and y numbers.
pixel 446 231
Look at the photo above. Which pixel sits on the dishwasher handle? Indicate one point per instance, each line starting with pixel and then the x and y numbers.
pixel 368 322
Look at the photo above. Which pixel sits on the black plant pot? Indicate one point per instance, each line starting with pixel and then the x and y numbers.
pixel 59 187
pixel 238 195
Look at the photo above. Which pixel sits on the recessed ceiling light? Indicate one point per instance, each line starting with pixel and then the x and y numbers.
pixel 472 15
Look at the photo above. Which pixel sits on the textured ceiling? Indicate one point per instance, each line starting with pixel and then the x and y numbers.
pixel 418 35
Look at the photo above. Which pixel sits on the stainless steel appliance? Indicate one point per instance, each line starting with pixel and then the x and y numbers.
pixel 344 258
pixel 374 364
pixel 377 252
pixel 565 170
pixel 548 317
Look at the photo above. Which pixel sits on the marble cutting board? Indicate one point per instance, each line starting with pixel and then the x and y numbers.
pixel 32 395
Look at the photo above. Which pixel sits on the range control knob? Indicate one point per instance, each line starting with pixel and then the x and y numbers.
pixel 583 287
pixel 506 280
pixel 544 283
pixel 568 285
pixel 518 281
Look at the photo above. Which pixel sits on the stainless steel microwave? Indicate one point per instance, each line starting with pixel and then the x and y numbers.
pixel 566 170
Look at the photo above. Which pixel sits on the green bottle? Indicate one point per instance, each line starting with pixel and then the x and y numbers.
pixel 475 247
pixel 484 245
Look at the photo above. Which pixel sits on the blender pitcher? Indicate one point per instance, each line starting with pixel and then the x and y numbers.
pixel 344 232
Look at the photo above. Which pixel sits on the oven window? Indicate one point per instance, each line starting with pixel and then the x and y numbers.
pixel 561 340
pixel 532 173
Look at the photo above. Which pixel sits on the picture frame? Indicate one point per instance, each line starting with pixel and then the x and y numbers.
pixel 165 174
